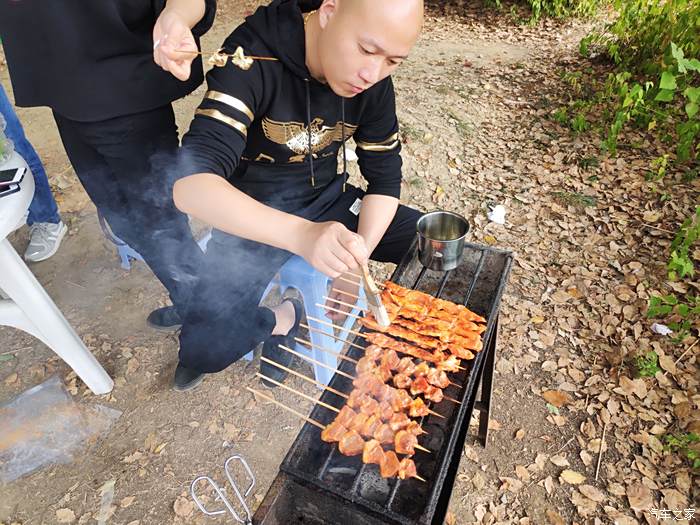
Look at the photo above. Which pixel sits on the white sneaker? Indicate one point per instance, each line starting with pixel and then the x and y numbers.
pixel 44 240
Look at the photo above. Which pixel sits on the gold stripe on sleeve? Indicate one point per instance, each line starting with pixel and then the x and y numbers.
pixel 386 145
pixel 234 102
pixel 218 115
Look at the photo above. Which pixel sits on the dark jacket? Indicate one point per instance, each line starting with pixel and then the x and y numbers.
pixel 254 126
pixel 90 60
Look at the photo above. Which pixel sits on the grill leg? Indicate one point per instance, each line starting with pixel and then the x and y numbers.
pixel 484 405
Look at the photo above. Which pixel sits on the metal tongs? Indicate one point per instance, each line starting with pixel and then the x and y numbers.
pixel 374 299
pixel 221 493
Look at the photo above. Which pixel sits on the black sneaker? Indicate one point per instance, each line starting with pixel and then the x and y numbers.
pixel 273 352
pixel 186 378
pixel 165 319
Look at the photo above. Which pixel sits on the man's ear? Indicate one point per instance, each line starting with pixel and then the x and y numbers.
pixel 328 9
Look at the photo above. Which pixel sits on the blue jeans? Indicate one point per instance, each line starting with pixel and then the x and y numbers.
pixel 43 207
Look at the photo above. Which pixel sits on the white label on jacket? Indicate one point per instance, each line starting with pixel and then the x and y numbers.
pixel 356 207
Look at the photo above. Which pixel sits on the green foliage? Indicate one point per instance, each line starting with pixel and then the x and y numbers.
pixel 647 365
pixel 681 265
pixel 685 312
pixel 656 48
pixel 655 88
pixel 683 444
pixel 552 8
pixel 562 8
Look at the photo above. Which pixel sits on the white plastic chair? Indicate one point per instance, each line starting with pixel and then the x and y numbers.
pixel 29 307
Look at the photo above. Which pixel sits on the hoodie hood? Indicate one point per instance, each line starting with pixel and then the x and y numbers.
pixel 280 26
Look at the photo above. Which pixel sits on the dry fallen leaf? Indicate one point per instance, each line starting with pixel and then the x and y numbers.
pixel 639 496
pixel 572 477
pixel 549 484
pixel 586 458
pixel 520 434
pixel 65 516
pixel 125 502
pixel 554 518
pixel 592 493
pixel 559 461
pixel 584 506
pixel 556 398
pixel 510 484
pixel 522 473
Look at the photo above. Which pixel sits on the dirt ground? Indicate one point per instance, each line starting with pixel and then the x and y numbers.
pixel 474 102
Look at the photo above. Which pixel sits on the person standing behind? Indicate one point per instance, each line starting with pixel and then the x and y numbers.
pixel 46 229
pixel 110 71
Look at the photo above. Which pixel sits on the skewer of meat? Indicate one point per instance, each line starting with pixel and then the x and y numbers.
pixel 416 385
pixel 461 346
pixel 412 331
pixel 350 443
pixel 376 351
pixel 415 406
pixel 447 363
pixel 443 329
pixel 420 304
pixel 396 420
pixel 405 367
pixel 347 438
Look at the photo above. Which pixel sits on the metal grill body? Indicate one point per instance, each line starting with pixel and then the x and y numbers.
pixel 317 484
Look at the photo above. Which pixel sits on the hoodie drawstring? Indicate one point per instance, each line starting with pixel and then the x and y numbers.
pixel 308 127
pixel 342 131
pixel 342 126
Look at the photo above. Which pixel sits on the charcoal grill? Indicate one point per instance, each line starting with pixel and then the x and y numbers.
pixel 318 485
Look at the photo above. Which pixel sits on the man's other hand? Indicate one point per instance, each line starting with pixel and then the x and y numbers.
pixel 174 47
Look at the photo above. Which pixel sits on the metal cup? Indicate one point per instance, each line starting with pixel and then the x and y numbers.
pixel 441 237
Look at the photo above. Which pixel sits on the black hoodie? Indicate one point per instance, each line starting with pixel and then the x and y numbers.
pixel 90 60
pixel 254 126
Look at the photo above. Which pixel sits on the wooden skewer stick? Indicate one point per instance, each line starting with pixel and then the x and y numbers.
pixel 353 306
pixel 305 378
pixel 335 370
pixel 344 279
pixel 210 53
pixel 269 398
pixel 348 294
pixel 311 360
pixel 290 389
pixel 331 335
pixel 327 323
pixel 349 314
pixel 354 361
pixel 331 352
pixel 343 292
pixel 354 332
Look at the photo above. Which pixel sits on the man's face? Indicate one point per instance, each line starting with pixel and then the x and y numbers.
pixel 363 41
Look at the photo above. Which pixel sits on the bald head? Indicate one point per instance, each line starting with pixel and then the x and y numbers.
pixel 408 12
pixel 360 42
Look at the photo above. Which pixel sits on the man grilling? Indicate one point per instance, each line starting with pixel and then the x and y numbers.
pixel 261 166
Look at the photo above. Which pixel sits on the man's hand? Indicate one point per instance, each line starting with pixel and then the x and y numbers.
pixel 174 47
pixel 331 248
pixel 342 290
